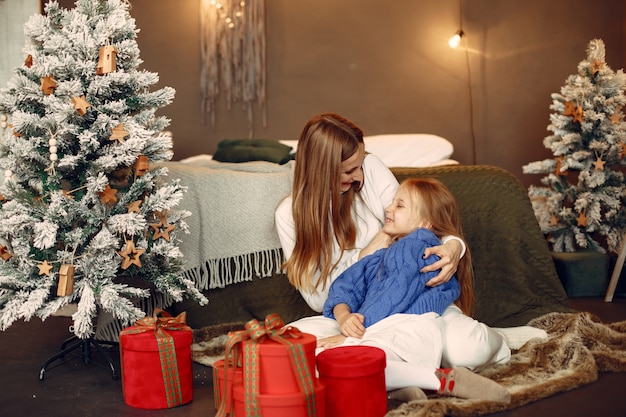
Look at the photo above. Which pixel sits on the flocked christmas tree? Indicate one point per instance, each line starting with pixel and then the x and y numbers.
pixel 582 203
pixel 83 209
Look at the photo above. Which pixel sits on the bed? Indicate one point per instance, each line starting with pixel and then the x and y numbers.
pixel 395 150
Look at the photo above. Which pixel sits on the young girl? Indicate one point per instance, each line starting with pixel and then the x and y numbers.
pixel 383 300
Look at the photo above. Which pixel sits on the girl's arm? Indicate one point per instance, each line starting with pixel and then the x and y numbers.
pixel 350 324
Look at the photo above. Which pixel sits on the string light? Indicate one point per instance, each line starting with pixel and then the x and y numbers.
pixel 225 10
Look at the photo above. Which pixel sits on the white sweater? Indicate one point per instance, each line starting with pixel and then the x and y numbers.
pixel 378 191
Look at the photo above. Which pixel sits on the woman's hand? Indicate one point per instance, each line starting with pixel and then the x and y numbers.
pixel 449 254
pixel 331 341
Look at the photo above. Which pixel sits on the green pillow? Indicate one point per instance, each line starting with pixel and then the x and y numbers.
pixel 245 150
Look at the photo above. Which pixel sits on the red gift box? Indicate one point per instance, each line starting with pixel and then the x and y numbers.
pixel 282 405
pixel 355 381
pixel 223 385
pixel 156 362
pixel 277 362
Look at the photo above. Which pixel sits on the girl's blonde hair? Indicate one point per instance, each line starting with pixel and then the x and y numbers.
pixel 434 202
pixel 326 141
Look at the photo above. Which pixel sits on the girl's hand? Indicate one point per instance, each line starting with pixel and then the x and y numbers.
pixel 449 255
pixel 352 325
pixel 331 341
pixel 381 240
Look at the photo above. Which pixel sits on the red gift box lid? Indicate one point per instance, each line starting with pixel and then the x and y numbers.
pixel 351 361
pixel 146 341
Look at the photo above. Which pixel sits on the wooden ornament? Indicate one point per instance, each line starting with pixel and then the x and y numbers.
pixel 559 163
pixel 554 221
pixel 581 220
pixel 107 60
pixel 5 254
pixel 622 149
pixel 66 280
pixel 48 85
pixel 615 118
pixel 599 164
pixel 44 268
pixel 80 104
pixel 569 109
pixel 134 206
pixel 108 196
pixel 578 115
pixel 28 62
pixel 141 165
pixel 162 229
pixel 130 255
pixel 596 66
pixel 118 133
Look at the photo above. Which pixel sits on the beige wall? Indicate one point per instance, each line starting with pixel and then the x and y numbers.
pixel 386 65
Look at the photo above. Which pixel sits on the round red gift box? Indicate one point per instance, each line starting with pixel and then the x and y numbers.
pixel 142 375
pixel 235 376
pixel 282 405
pixel 355 381
pixel 276 375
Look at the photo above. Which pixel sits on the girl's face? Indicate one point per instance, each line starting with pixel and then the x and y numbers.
pixel 352 169
pixel 401 215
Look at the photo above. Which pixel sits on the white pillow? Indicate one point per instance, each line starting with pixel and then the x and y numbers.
pixel 405 149
pixel 409 150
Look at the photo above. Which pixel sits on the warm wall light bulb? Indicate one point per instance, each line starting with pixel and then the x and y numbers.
pixel 455 40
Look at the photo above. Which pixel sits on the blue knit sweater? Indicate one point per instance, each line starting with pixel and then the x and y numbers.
pixel 389 281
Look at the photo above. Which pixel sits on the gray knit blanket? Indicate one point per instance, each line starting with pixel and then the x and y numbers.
pixel 232 236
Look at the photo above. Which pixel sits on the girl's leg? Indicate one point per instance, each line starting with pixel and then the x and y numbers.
pixel 469 343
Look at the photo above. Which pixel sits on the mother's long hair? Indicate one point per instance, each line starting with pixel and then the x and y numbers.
pixel 321 212
pixel 434 202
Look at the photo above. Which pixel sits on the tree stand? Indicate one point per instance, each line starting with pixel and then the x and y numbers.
pixel 85 345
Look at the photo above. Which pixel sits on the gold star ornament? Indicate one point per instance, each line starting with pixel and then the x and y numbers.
pixel 44 268
pixel 162 229
pixel 599 164
pixel 130 255
pixel 118 133
pixel 581 220
pixel 596 66
pixel 47 85
pixel 80 105
pixel 108 196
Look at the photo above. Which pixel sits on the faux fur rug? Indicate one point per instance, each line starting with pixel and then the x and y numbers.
pixel 579 346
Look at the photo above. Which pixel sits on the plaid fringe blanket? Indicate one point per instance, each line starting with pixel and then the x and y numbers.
pixel 232 233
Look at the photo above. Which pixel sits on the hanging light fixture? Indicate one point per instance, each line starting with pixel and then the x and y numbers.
pixel 455 40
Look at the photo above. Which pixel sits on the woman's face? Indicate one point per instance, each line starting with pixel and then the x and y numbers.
pixel 401 216
pixel 352 169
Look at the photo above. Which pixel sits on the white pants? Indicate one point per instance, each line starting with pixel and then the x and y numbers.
pixel 416 345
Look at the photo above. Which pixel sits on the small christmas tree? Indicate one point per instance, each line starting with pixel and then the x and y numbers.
pixel 81 210
pixel 582 203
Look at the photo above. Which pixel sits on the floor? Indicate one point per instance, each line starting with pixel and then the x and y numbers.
pixel 73 388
